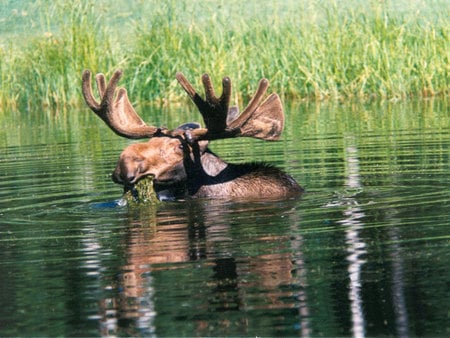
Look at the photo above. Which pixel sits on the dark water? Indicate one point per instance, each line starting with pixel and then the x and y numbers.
pixel 365 252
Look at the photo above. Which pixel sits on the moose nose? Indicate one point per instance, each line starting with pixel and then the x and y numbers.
pixel 130 178
pixel 123 179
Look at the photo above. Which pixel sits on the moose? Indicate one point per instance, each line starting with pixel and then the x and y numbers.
pixel 179 161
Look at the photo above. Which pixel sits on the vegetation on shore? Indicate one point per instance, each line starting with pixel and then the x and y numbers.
pixel 308 50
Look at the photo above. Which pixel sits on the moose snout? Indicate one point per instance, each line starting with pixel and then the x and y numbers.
pixel 131 166
pixel 124 177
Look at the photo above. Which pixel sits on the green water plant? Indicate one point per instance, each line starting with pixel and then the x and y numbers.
pixel 141 193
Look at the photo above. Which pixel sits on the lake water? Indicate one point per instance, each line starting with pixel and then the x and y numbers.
pixel 365 252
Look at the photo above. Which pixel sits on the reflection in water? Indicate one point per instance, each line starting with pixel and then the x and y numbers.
pixel 398 286
pixel 158 240
pixel 134 305
pixel 300 268
pixel 68 265
pixel 356 247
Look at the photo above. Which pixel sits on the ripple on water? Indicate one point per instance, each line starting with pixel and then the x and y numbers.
pixel 370 233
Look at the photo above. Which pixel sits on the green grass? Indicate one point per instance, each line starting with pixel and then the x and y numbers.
pixel 308 50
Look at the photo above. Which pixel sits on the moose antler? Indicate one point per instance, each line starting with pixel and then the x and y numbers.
pixel 116 111
pixel 264 121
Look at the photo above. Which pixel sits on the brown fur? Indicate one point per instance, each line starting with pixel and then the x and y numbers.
pixel 179 170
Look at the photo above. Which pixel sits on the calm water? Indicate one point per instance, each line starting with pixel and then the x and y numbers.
pixel 365 252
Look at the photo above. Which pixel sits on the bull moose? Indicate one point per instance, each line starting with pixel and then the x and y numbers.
pixel 179 160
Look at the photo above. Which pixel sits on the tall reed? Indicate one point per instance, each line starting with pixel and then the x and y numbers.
pixel 45 72
pixel 321 51
pixel 309 50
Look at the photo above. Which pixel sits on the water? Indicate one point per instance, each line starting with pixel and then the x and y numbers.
pixel 363 253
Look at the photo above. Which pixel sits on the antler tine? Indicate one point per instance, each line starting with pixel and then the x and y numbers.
pixel 252 105
pixel 210 94
pixel 101 84
pixel 87 91
pixel 209 89
pixel 187 87
pixel 226 93
pixel 214 110
pixel 117 113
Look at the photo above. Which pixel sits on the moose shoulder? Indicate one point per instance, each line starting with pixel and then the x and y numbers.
pixel 179 160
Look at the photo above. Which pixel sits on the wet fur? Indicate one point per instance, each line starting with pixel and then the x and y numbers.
pixel 247 181
pixel 197 172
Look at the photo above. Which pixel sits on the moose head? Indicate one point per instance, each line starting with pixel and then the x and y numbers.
pixel 179 160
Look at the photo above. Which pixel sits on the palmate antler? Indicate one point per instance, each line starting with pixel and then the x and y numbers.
pixel 116 111
pixel 264 121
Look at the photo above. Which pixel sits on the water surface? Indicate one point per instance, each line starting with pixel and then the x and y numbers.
pixel 364 252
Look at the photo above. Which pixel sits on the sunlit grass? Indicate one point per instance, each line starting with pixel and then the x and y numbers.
pixel 44 73
pixel 308 50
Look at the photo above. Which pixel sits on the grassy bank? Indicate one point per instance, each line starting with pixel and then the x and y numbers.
pixel 312 50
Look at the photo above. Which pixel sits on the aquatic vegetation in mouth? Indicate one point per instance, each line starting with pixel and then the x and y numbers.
pixel 141 193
